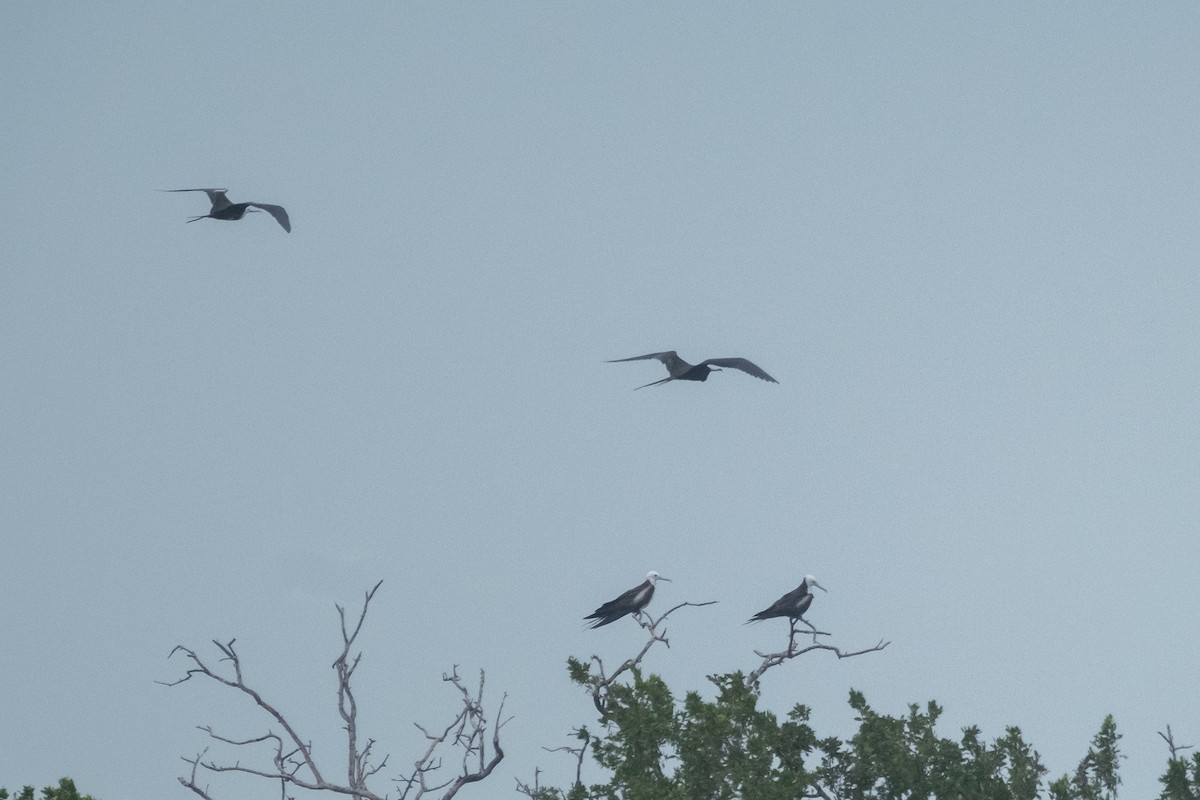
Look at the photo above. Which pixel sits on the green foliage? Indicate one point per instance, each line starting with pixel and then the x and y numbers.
pixel 64 791
pixel 1096 777
pixel 720 749
pixel 1181 781
pixel 903 757
pixel 727 748
pixel 641 725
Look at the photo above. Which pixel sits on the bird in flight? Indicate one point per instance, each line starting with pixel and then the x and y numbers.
pixel 793 604
pixel 683 371
pixel 631 602
pixel 223 209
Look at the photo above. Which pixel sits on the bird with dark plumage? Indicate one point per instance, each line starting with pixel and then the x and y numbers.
pixel 683 371
pixel 630 602
pixel 223 209
pixel 793 604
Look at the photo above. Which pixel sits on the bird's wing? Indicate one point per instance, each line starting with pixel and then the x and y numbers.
pixel 776 609
pixel 275 211
pixel 749 367
pixel 667 358
pixel 215 196
pixel 218 199
pixel 785 606
pixel 625 602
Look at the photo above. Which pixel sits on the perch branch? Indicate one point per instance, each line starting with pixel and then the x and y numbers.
pixel 794 649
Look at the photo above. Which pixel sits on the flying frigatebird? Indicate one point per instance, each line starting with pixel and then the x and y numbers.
pixel 631 602
pixel 793 604
pixel 223 209
pixel 683 371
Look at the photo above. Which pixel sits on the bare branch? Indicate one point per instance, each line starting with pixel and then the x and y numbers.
pixel 468 731
pixel 537 791
pixel 794 649
pixel 358 767
pixel 296 767
pixel 583 735
pixel 236 682
pixel 1176 749
pixel 190 781
pixel 533 792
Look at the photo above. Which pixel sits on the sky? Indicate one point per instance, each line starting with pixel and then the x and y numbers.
pixel 961 236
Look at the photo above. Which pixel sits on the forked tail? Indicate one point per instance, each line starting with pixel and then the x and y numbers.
pixel 656 383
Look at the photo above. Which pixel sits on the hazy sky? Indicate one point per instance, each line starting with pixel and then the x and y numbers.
pixel 962 236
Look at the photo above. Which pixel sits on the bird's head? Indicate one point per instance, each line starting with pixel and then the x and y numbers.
pixel 810 582
pixel 653 577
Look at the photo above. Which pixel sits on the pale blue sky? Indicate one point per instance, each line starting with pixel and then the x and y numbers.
pixel 962 236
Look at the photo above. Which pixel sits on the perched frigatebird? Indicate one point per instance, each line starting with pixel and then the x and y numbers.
pixel 683 371
pixel 631 602
pixel 223 209
pixel 793 604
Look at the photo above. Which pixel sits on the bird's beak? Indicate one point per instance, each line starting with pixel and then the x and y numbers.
pixel 661 578
pixel 819 586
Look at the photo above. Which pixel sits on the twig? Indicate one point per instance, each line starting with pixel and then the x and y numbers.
pixel 1175 749
pixel 793 650
pixel 583 735
pixel 469 728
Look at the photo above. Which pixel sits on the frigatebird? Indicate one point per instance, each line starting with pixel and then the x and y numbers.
pixel 631 602
pixel 683 371
pixel 793 604
pixel 223 209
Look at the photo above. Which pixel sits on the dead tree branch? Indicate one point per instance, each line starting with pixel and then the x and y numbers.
pixel 537 791
pixel 468 731
pixel 794 649
pixel 584 736
pixel 358 767
pixel 287 766
pixel 190 781
pixel 292 761
pixel 1175 749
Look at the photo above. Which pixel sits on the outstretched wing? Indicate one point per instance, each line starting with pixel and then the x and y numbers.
pixel 275 211
pixel 670 359
pixel 215 196
pixel 667 358
pixel 749 367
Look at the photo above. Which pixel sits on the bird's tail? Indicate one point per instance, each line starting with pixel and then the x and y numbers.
pixel 656 383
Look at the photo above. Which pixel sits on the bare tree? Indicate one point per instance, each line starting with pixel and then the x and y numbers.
pixel 293 763
pixel 795 649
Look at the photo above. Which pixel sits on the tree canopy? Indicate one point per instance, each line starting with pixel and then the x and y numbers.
pixel 651 745
pixel 64 791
